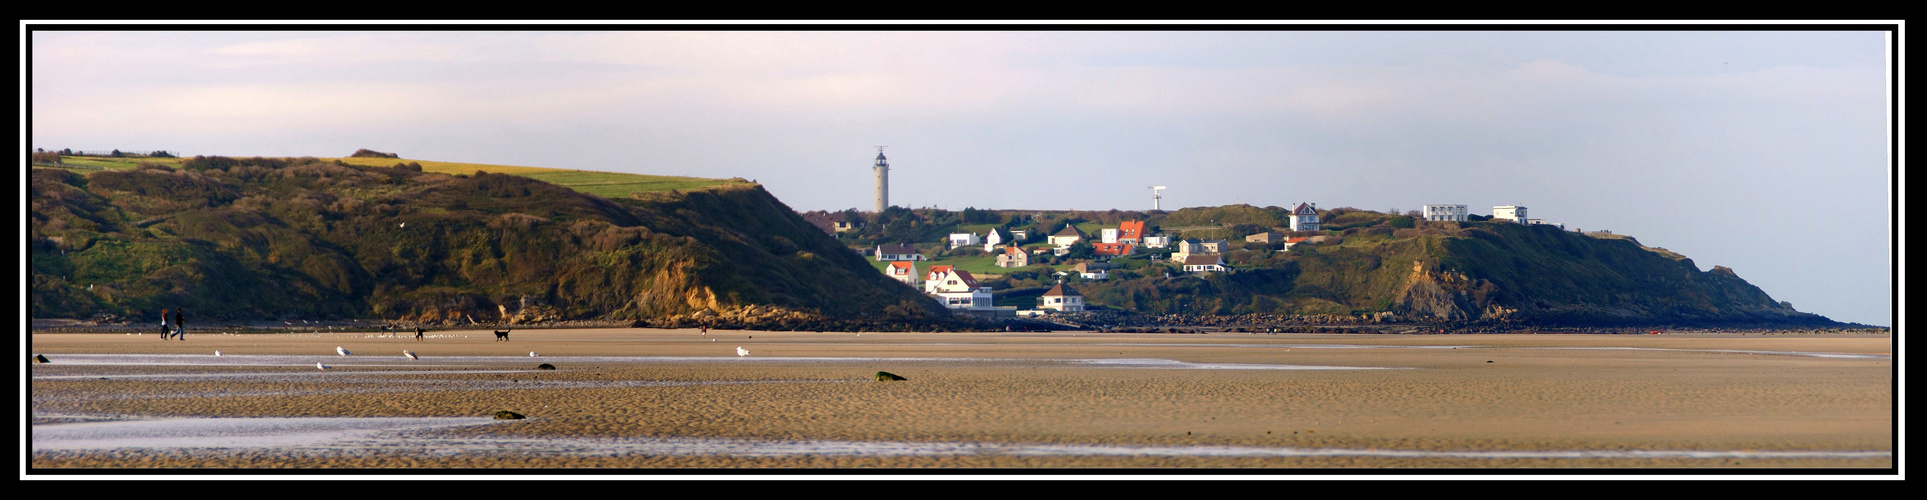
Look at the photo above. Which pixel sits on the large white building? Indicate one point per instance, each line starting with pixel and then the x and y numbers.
pixel 1304 217
pixel 1445 213
pixel 1512 213
pixel 957 289
pixel 960 240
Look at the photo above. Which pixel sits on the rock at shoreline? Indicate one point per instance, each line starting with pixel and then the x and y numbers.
pixel 887 376
pixel 42 358
pixel 545 366
pixel 508 415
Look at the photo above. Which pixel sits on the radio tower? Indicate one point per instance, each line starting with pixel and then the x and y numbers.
pixel 883 180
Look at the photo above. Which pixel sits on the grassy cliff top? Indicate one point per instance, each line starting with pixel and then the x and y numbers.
pixel 604 184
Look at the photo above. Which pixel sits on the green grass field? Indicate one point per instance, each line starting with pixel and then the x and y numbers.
pixel 96 163
pixel 981 266
pixel 604 184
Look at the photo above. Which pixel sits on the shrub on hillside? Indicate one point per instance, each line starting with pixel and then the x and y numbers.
pixel 368 153
pixel 1402 222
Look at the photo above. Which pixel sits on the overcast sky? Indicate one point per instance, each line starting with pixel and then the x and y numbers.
pixel 1766 152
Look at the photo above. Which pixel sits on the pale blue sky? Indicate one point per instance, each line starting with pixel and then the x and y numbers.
pixel 1766 152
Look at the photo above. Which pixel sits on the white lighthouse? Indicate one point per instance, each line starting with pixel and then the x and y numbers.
pixel 883 180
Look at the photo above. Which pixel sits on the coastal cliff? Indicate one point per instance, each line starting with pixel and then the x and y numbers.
pixel 305 238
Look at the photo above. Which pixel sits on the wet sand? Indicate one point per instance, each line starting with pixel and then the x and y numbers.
pixel 1181 396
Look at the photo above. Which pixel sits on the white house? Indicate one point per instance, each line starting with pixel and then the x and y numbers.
pixel 1159 241
pixel 993 239
pixel 904 271
pixel 1066 237
pixel 1512 213
pixel 898 252
pixel 1204 264
pixel 1062 298
pixel 1092 270
pixel 958 240
pixel 1304 217
pixel 956 288
pixel 1108 235
pixel 1293 241
pixel 1187 248
pixel 1447 213
pixel 1531 222
pixel 1017 235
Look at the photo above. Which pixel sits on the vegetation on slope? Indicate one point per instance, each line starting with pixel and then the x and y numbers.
pixel 266 238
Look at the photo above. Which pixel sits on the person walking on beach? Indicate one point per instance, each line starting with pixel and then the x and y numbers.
pixel 164 330
pixel 418 333
pixel 180 326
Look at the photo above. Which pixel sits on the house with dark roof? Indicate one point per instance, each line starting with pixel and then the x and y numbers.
pixel 898 252
pixel 1062 298
pixel 1205 264
pixel 1304 217
pixel 1066 237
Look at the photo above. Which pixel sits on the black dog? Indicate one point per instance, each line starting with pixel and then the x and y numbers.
pixel 503 335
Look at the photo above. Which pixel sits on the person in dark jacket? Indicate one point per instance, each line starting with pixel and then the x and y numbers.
pixel 164 330
pixel 180 328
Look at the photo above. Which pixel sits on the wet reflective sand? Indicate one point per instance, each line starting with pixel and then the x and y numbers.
pixel 669 398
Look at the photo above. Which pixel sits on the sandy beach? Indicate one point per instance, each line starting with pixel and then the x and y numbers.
pixel 649 398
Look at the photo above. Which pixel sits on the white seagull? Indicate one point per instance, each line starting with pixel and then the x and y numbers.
pixel 343 352
pixel 320 366
pixel 217 353
pixel 404 224
pixel 532 354
pixel 740 351
pixel 410 354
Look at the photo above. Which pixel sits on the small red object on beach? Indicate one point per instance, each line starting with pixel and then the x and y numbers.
pixel 1655 332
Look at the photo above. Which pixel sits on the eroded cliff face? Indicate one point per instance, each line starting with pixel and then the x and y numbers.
pixel 1443 296
pixel 306 239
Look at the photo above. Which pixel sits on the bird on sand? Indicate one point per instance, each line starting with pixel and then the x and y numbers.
pixel 741 351
pixel 320 366
pixel 532 354
pixel 343 352
pixel 217 353
pixel 410 354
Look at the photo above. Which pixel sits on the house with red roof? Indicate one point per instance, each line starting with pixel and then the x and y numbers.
pixel 1112 249
pixel 904 271
pixel 1012 256
pixel 1131 231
